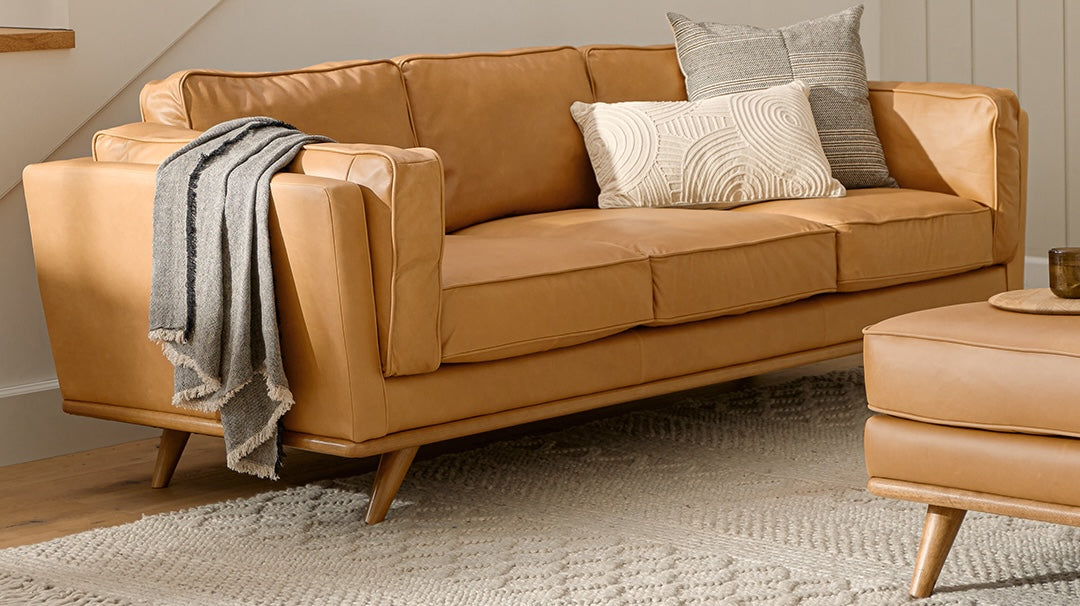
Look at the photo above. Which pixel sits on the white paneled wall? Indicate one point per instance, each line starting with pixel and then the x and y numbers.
pixel 948 40
pixel 995 44
pixel 1030 46
pixel 1072 119
pixel 1041 62
pixel 903 40
pixel 34 13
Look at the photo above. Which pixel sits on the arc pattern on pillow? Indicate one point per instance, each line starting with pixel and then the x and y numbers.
pixel 718 153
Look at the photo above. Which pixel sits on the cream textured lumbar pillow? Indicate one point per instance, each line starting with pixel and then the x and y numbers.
pixel 720 152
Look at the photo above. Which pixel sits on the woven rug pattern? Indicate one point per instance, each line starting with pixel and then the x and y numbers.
pixel 748 497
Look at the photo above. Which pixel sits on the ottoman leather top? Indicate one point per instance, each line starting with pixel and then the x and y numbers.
pixel 973 365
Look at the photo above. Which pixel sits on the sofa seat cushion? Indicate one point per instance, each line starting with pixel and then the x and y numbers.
pixel 973 365
pixel 705 263
pixel 889 236
pixel 509 296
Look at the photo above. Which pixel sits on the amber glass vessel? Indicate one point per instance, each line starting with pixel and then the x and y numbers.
pixel 1065 272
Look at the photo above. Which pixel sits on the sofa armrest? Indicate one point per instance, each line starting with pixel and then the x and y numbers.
pixel 961 139
pixel 403 195
pixel 92 229
pixel 140 142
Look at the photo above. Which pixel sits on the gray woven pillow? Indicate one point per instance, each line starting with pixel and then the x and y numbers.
pixel 826 53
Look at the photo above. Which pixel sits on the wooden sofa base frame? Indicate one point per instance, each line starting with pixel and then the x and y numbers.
pixel 398 450
pixel 945 512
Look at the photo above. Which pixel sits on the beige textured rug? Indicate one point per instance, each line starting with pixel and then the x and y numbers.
pixel 751 497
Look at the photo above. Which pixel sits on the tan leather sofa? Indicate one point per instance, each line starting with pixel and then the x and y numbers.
pixel 443 270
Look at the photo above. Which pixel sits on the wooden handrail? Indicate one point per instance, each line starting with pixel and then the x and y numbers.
pixel 15 39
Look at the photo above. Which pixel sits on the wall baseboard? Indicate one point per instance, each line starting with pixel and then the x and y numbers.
pixel 1036 272
pixel 24 389
pixel 35 427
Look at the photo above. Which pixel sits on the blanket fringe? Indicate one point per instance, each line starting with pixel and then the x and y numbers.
pixel 235 458
pixel 189 398
pixel 171 335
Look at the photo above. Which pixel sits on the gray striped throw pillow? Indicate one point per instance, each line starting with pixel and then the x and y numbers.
pixel 826 53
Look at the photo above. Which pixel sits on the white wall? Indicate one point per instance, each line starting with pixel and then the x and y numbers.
pixel 57 93
pixel 67 95
pixel 34 13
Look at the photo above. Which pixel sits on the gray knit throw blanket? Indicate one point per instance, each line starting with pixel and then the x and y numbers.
pixel 212 296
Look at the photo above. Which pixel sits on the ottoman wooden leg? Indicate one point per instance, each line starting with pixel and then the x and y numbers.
pixel 942 524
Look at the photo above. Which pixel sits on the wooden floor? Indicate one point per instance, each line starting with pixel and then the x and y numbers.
pixel 45 499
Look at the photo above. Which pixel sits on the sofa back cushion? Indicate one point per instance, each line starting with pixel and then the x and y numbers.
pixel 501 124
pixel 635 73
pixel 351 102
pixel 499 121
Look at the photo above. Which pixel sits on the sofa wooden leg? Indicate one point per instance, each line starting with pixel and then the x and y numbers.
pixel 392 469
pixel 169 451
pixel 942 524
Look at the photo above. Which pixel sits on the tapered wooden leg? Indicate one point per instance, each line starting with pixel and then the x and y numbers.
pixel 169 451
pixel 392 469
pixel 942 524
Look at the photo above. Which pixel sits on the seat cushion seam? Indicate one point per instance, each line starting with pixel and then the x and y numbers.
pixel 546 274
pixel 872 332
pixel 619 326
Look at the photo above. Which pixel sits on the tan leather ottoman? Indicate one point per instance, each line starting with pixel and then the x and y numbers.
pixel 979 410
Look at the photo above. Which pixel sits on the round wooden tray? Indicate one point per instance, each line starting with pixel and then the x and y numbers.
pixel 1036 301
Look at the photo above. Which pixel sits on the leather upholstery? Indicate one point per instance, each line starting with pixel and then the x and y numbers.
pixel 1037 468
pixel 820 321
pixel 358 243
pixel 348 101
pixel 978 157
pixel 648 354
pixel 704 263
pixel 874 227
pixel 891 236
pixel 977 366
pixel 403 204
pixel 850 312
pixel 501 124
pixel 101 213
pixel 634 73
pixel 403 189
pixel 504 297
pixel 326 315
pixel 92 228
pixel 140 142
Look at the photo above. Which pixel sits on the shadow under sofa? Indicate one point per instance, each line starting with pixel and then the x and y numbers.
pixel 443 269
